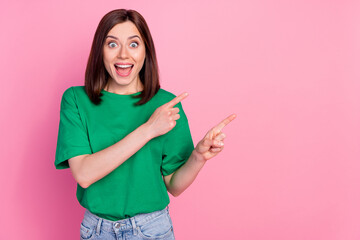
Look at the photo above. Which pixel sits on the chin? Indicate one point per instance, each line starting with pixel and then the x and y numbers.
pixel 123 81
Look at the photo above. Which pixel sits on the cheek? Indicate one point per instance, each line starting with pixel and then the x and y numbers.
pixel 108 56
pixel 107 65
pixel 107 60
pixel 139 54
pixel 140 58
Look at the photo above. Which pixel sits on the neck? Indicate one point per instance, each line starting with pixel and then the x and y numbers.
pixel 138 87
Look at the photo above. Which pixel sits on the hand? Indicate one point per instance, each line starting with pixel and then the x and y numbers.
pixel 163 118
pixel 212 143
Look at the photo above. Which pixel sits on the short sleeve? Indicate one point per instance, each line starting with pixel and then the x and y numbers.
pixel 178 145
pixel 72 136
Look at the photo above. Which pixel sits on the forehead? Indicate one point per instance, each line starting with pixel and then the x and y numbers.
pixel 123 30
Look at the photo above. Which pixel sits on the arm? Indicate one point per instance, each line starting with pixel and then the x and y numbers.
pixel 90 168
pixel 207 148
pixel 182 178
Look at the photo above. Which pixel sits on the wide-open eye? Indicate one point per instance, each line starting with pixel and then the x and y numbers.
pixel 134 45
pixel 112 44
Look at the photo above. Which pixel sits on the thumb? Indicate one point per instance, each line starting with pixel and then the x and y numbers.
pixel 204 145
pixel 207 142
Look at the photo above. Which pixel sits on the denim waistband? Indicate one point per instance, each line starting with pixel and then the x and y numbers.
pixel 123 224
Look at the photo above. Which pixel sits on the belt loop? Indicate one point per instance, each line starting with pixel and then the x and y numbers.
pixel 98 226
pixel 132 219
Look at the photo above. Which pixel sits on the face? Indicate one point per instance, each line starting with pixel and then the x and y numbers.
pixel 124 47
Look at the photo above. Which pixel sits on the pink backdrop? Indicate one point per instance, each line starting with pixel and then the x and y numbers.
pixel 288 69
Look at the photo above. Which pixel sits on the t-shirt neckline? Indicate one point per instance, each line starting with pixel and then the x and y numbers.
pixel 119 95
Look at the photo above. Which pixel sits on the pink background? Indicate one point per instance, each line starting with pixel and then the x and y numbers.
pixel 288 69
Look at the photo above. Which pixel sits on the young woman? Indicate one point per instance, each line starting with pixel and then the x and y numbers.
pixel 126 140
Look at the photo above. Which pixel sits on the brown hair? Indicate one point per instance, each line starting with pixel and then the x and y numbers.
pixel 96 75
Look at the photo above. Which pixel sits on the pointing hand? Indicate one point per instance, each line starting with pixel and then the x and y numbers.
pixel 163 118
pixel 212 143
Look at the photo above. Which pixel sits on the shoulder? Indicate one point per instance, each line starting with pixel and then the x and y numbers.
pixel 72 95
pixel 166 96
pixel 78 90
pixel 73 92
pixel 67 95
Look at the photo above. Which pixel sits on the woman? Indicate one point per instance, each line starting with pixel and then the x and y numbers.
pixel 126 140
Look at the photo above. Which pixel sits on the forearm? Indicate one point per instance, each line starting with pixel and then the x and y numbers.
pixel 97 165
pixel 184 176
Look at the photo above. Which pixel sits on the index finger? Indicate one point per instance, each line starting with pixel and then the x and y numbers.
pixel 176 100
pixel 225 122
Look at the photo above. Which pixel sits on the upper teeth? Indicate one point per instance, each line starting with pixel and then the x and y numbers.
pixel 123 66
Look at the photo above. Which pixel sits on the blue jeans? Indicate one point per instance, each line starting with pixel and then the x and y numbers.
pixel 154 225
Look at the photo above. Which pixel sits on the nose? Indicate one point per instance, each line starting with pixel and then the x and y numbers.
pixel 123 52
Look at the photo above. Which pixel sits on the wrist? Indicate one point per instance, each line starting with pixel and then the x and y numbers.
pixel 198 156
pixel 146 130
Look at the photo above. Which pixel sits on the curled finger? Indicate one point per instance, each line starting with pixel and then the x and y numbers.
pixel 175 110
pixel 207 142
pixel 215 149
pixel 220 137
pixel 175 117
pixel 217 143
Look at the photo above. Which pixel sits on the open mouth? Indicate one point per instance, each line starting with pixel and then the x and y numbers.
pixel 123 70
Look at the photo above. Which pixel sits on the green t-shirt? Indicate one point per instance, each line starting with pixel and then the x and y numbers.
pixel 137 185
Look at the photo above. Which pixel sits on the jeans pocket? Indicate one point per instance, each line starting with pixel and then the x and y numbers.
pixel 159 227
pixel 168 214
pixel 86 231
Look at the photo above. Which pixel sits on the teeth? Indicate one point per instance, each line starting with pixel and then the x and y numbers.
pixel 123 66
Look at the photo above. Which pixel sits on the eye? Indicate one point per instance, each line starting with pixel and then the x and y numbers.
pixel 135 43
pixel 112 44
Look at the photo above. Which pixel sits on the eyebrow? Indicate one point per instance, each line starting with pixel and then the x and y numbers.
pixel 110 36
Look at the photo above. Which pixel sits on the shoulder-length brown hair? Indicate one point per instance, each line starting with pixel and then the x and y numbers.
pixel 96 75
